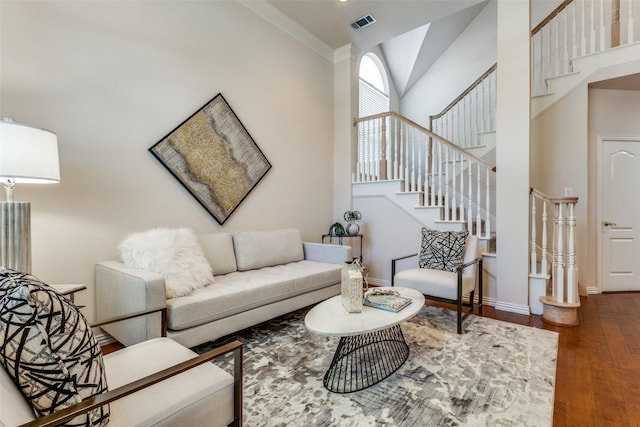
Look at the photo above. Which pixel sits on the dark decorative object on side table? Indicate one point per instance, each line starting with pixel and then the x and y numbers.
pixel 352 226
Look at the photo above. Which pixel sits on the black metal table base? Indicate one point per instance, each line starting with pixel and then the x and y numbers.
pixel 363 360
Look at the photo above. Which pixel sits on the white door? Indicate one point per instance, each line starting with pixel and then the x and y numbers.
pixel 620 215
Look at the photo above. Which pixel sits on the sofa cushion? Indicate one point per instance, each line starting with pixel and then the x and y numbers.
pixel 202 396
pixel 173 253
pixel 241 291
pixel 49 350
pixel 439 283
pixel 218 249
pixel 257 249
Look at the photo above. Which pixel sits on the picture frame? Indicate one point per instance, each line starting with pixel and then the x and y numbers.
pixel 214 158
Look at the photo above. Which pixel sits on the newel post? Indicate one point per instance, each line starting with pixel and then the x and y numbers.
pixel 561 307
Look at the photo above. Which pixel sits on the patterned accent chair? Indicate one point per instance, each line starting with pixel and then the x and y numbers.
pixel 449 270
pixel 52 371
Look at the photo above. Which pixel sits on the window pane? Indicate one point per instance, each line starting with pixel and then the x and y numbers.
pixel 370 72
pixel 372 100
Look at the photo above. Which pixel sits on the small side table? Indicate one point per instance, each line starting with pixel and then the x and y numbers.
pixel 346 236
pixel 69 289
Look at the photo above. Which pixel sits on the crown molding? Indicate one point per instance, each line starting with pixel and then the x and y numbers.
pixel 348 51
pixel 273 15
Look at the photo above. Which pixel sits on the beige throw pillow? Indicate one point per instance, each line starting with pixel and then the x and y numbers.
pixel 257 249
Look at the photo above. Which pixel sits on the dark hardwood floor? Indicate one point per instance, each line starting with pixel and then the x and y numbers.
pixel 598 369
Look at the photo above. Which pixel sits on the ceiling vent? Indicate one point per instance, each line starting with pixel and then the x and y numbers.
pixel 364 21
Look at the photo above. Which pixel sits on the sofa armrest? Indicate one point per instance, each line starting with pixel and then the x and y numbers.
pixel 91 403
pixel 161 310
pixel 394 262
pixel 122 290
pixel 334 254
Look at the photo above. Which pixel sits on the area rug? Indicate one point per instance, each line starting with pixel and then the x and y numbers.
pixel 495 374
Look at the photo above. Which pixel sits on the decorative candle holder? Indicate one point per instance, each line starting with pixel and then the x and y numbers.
pixel 351 287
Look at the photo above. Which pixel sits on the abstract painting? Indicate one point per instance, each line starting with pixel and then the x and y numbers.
pixel 213 156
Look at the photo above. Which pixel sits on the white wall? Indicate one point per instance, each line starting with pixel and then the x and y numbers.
pixel 612 113
pixel 112 78
pixel 563 154
pixel 559 161
pixel 345 105
pixel 540 9
pixel 512 155
pixel 470 55
pixel 388 232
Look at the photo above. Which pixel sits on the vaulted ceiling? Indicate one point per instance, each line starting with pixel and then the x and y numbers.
pixel 412 34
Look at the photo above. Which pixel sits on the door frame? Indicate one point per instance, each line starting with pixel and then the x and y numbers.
pixel 598 225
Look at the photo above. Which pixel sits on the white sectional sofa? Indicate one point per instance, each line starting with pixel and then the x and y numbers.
pixel 258 275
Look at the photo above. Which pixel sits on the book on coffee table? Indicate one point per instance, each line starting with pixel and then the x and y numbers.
pixel 393 303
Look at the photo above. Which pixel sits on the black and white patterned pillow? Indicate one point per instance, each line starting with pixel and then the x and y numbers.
pixel 442 250
pixel 10 280
pixel 48 348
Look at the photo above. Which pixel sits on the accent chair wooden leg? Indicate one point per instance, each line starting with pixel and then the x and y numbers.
pixel 460 315
pixel 480 285
pixel 237 386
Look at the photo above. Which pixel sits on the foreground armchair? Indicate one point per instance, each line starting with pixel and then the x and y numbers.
pixel 156 382
pixel 450 269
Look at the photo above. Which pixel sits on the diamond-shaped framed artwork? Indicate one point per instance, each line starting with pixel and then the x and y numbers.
pixel 213 156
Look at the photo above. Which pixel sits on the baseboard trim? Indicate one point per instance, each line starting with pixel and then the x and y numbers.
pixel 488 301
pixel 504 306
pixel 512 308
pixel 592 290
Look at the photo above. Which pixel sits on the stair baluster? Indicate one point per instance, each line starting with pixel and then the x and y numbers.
pixel 461 209
pixel 470 201
pixel 630 24
pixel 533 251
pixel 487 224
pixel 478 214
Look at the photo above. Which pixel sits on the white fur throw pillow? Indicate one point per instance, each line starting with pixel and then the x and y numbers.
pixel 173 253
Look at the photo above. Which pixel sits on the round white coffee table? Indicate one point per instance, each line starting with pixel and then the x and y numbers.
pixel 371 345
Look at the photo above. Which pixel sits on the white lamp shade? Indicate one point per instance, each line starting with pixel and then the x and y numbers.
pixel 28 155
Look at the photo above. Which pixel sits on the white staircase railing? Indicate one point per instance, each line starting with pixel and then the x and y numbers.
pixel 564 267
pixel 539 232
pixel 472 113
pixel 577 28
pixel 392 147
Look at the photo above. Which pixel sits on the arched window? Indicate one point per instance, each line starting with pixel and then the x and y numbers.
pixel 374 86
pixel 373 99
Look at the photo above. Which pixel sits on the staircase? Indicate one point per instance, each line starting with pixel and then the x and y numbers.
pixel 431 178
pixel 444 176
pixel 446 187
pixel 575 41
